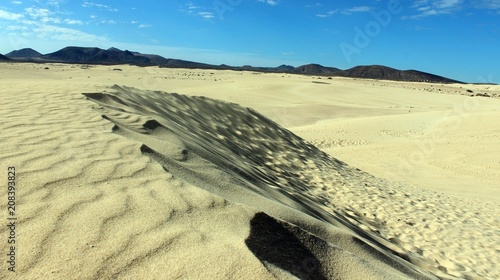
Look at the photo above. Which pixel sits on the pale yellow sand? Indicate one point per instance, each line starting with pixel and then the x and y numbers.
pixel 91 205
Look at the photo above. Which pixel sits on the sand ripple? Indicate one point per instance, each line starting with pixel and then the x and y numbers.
pixel 221 146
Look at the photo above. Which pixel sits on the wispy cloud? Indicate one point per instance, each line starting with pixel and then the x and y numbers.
pixel 358 9
pixel 73 21
pixel 16 2
pixel 42 15
pixel 54 3
pixel 269 2
pixel 141 25
pixel 38 16
pixel 327 14
pixel 349 11
pixel 315 5
pixel 17 28
pixel 65 34
pixel 10 16
pixel 44 23
pixel 200 11
pixel 87 4
pixel 425 8
pixel 108 21
pixel 207 15
pixel 487 4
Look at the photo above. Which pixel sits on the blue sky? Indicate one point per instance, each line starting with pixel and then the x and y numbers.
pixel 452 38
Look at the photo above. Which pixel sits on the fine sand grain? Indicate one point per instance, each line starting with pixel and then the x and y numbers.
pixel 141 183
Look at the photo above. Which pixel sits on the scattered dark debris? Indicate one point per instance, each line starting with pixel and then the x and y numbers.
pixel 409 222
pixel 184 155
pixel 324 83
pixel 483 94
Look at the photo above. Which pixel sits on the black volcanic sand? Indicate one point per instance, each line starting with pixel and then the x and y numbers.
pixel 241 155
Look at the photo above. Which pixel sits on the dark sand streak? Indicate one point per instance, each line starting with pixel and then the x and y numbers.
pixel 228 149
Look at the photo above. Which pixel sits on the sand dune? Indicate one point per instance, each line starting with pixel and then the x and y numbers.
pixel 173 186
pixel 259 155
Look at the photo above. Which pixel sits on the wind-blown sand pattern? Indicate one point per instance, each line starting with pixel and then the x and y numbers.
pixel 256 154
pixel 190 187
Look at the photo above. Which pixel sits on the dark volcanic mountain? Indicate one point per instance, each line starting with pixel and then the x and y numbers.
pixel 386 73
pixel 113 56
pixel 3 57
pixel 153 58
pixel 315 69
pixel 26 53
pixel 179 63
pixel 284 67
pixel 95 55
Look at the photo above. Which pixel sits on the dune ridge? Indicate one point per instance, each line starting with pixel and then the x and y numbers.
pixel 217 146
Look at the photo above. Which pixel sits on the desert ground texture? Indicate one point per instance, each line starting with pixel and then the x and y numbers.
pixel 117 177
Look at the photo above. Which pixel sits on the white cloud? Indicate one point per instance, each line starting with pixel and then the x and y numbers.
pixel 16 2
pixel 10 16
pixel 65 34
pixel 73 21
pixel 142 25
pixel 488 4
pixel 445 4
pixel 199 11
pixel 45 25
pixel 315 5
pixel 207 15
pixel 327 14
pixel 87 4
pixel 269 2
pixel 427 8
pixel 54 3
pixel 17 28
pixel 108 21
pixel 37 12
pixel 42 15
pixel 357 9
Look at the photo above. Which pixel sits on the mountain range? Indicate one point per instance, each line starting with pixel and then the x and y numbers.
pixel 114 56
pixel 3 57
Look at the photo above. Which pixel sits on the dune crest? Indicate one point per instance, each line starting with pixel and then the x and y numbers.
pixel 239 154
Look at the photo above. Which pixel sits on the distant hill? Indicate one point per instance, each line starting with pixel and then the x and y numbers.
pixel 95 55
pixel 179 63
pixel 3 57
pixel 285 67
pixel 315 69
pixel 153 58
pixel 386 73
pixel 114 56
pixel 26 53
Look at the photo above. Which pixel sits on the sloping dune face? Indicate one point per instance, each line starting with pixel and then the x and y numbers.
pixel 239 154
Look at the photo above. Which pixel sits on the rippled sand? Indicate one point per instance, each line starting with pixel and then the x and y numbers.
pixel 151 184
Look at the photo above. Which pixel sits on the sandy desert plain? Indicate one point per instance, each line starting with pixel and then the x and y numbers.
pixel 126 182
